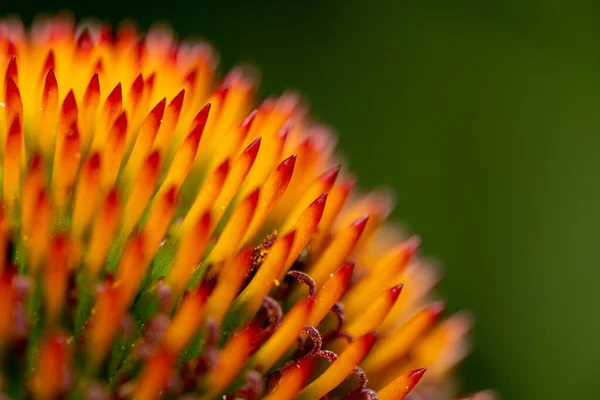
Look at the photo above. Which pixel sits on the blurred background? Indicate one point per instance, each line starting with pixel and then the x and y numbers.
pixel 483 116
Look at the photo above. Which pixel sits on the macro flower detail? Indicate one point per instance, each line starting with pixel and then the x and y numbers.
pixel 164 238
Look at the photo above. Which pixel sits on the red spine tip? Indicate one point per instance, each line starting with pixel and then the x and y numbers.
pixel 286 129
pixel 177 101
pixel 11 70
pixel 49 63
pixel 248 121
pixel 289 238
pixel 368 340
pixel 202 115
pixel 121 124
pixel 137 87
pixel 395 292
pixel 171 195
pixel 287 166
pixel 360 223
pixel 94 162
pixel 116 95
pixel 331 175
pixel 70 104
pixel 345 271
pixel 112 200
pixel 154 160
pixel 84 42
pixel 252 149
pixel 416 375
pixel 15 127
pixel 253 197
pixel 436 309
pixel 223 168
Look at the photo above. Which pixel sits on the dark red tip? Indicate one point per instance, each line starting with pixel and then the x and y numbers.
pixel 416 375
pixel 11 70
pixel 395 292
pixel 94 161
pixel 171 196
pixel 49 63
pixel 84 42
pixel 248 121
pixel 287 166
pixel 345 271
pixel 329 176
pixel 154 160
pixel 360 223
pixel 436 309
pixel 137 87
pixel 252 149
pixel 69 106
pixel 202 116
pixel 177 101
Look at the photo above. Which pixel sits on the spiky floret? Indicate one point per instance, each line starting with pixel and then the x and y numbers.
pixel 160 238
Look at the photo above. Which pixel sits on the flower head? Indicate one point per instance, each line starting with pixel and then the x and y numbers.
pixel 161 238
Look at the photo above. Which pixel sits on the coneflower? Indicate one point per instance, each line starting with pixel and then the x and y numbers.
pixel 160 238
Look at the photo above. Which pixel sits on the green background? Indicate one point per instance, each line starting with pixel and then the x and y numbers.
pixel 484 118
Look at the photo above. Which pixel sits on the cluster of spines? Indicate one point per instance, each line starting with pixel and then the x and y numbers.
pixel 130 226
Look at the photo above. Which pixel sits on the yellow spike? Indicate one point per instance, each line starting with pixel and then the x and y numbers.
pixel 231 279
pixel 285 335
pixel 335 201
pixel 340 248
pixel 267 159
pixel 39 236
pixel 399 388
pixel 322 184
pixel 186 321
pixel 12 163
pixel 231 359
pixel 339 370
pixel 305 227
pixel 103 230
pixel 159 218
pixel 113 151
pixel 388 270
pixel 89 111
pixel 264 278
pixel 144 141
pixel 236 177
pixel 104 322
pixel 444 346
pixel 189 254
pixel 398 342
pixel 293 378
pixel 112 108
pixel 155 376
pixel 48 115
pixel 86 195
pixel 374 314
pixel 131 270
pixel 183 160
pixel 66 164
pixel 330 293
pixel 271 192
pixel 231 145
pixel 164 137
pixel 55 280
pixel 141 192
pixel 34 183
pixel 229 240
pixel 206 196
pixel 52 369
